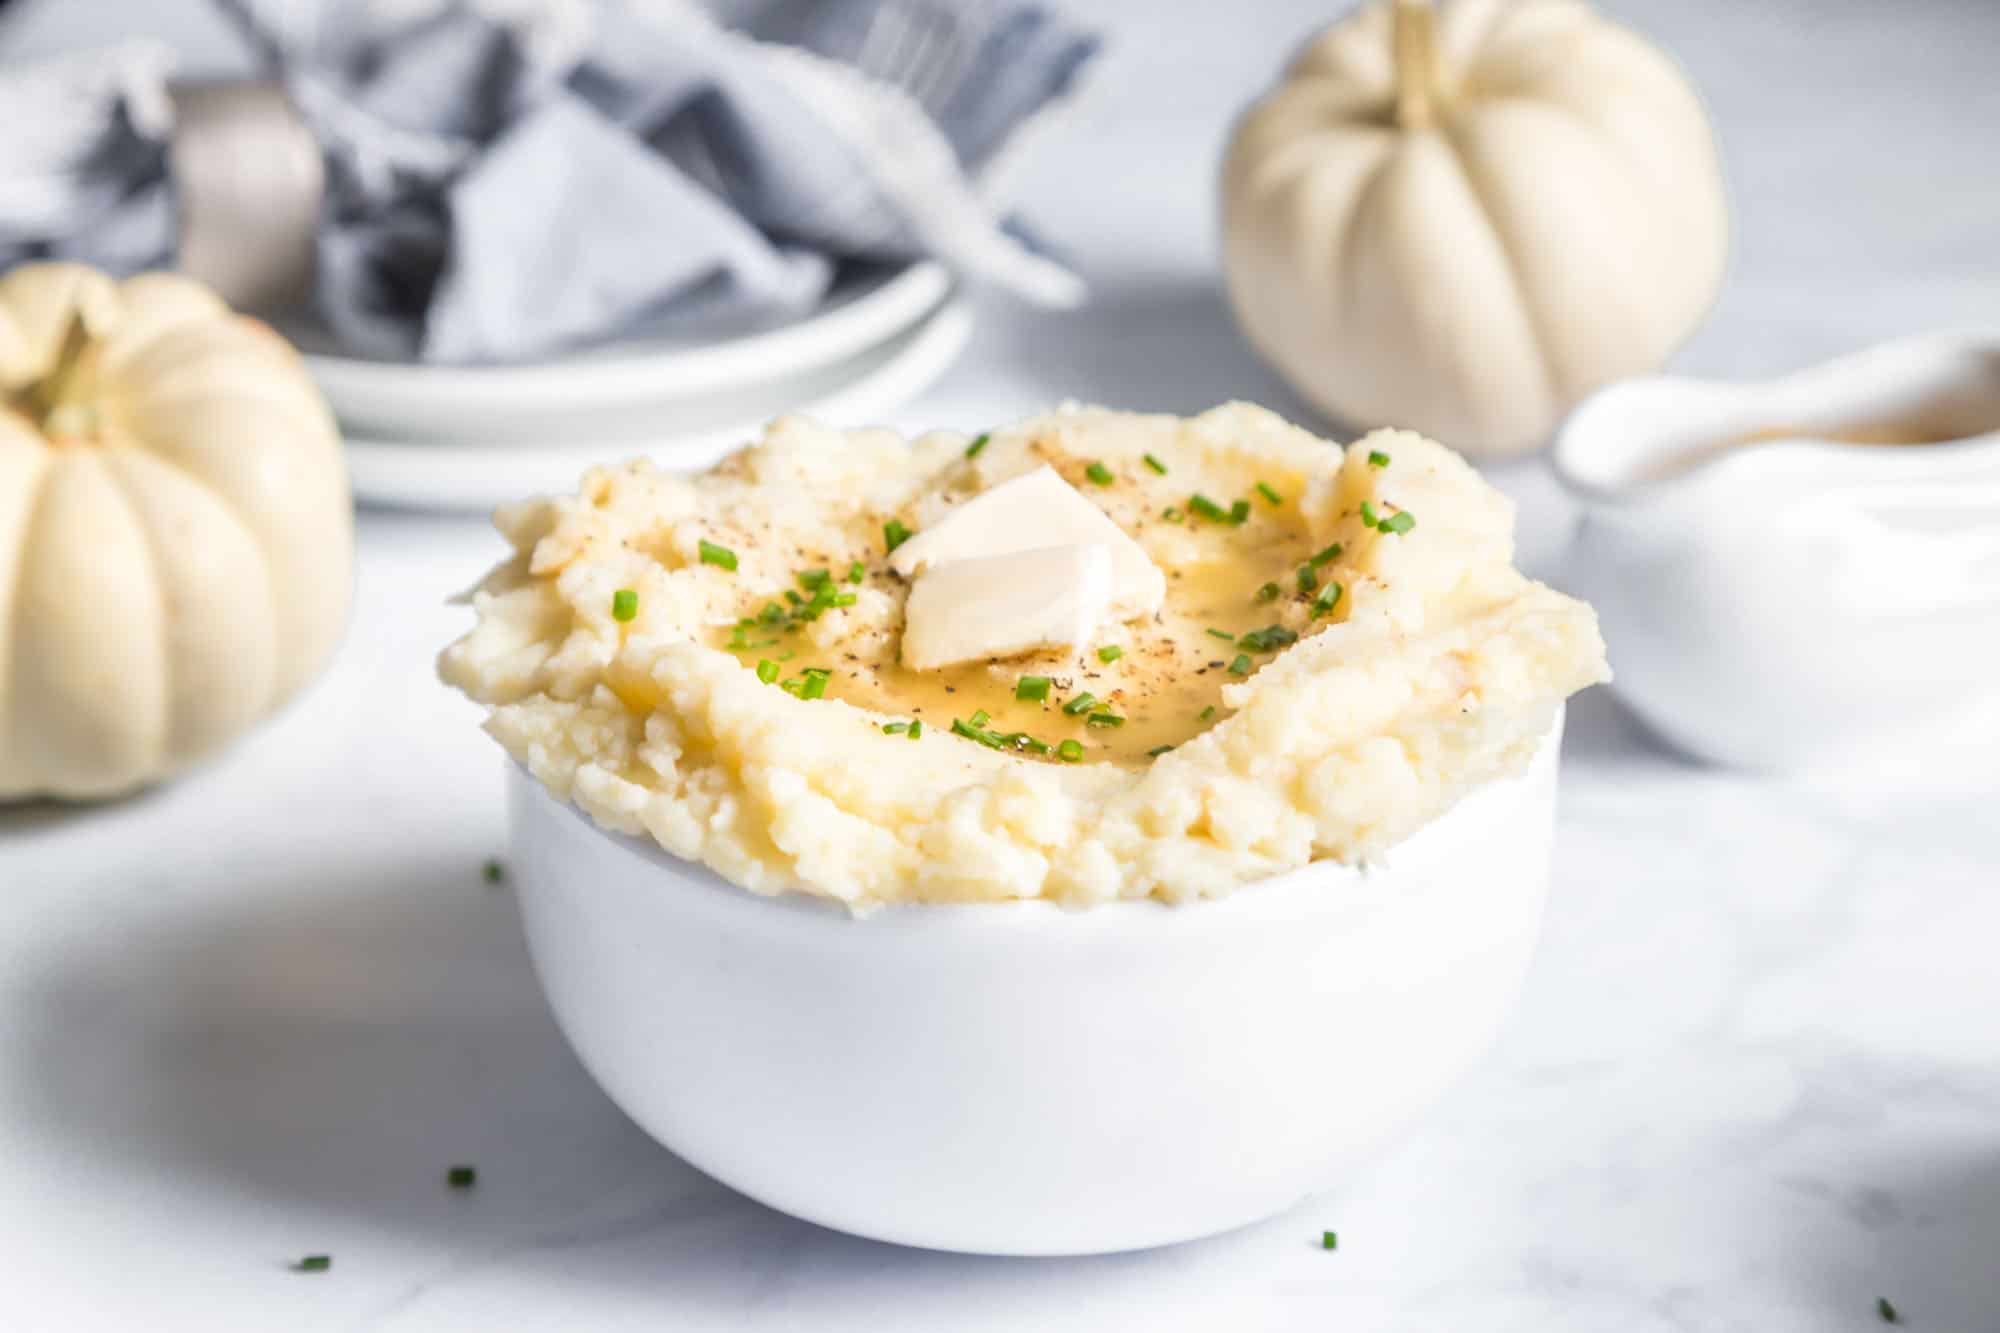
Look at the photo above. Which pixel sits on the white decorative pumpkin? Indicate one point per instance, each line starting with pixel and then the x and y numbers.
pixel 176 540
pixel 1462 221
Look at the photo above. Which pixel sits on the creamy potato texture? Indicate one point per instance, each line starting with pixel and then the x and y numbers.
pixel 1344 650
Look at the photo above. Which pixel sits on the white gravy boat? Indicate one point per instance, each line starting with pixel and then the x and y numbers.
pixel 1778 594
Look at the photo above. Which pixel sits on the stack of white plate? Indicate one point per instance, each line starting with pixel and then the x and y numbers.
pixel 470 437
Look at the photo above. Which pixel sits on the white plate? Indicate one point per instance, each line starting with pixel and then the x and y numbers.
pixel 428 475
pixel 412 401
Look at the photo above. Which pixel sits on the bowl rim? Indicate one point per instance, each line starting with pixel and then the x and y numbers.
pixel 1285 895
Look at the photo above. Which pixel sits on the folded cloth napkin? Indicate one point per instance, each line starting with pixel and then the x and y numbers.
pixel 503 181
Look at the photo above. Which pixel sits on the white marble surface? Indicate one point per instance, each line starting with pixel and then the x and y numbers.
pixel 1754 1083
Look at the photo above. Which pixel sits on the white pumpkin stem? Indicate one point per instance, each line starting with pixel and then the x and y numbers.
pixel 1415 38
pixel 59 401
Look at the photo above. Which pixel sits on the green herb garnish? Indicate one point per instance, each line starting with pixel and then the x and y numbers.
pixel 1080 704
pixel 812 580
pixel 1241 666
pixel 1157 751
pixel 462 1177
pixel 1110 652
pixel 894 534
pixel 313 1263
pixel 1270 592
pixel 1206 508
pixel 894 728
pixel 1368 516
pixel 1032 689
pixel 1268 639
pixel 624 604
pixel 973 732
pixel 1156 465
pixel 1886 1312
pixel 916 728
pixel 1099 473
pixel 1205 714
pixel 720 556
pixel 1222 634
pixel 978 443
pixel 1104 719
pixel 1069 751
pixel 1239 513
pixel 1308 579
pixel 493 872
pixel 767 670
pixel 1376 458
pixel 1329 1241
pixel 980 718
pixel 1265 489
pixel 1399 522
pixel 1328 598
pixel 856 572
pixel 1172 514
pixel 1327 556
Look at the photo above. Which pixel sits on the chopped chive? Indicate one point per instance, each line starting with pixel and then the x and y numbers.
pixel 1239 513
pixel 1328 598
pixel 767 670
pixel 1222 634
pixel 894 534
pixel 1205 714
pixel 894 728
pixel 1172 514
pixel 1021 740
pixel 493 872
pixel 1157 751
pixel 1368 516
pixel 1886 1312
pixel 722 556
pixel 1069 751
pixel 1376 458
pixel 812 580
pixel 1270 592
pixel 1206 508
pixel 313 1263
pixel 1110 652
pixel 1241 666
pixel 916 728
pixel 1033 689
pixel 462 1177
pixel 842 599
pixel 1155 464
pixel 771 614
pixel 1265 489
pixel 1080 704
pixel 1399 522
pixel 1104 719
pixel 980 719
pixel 972 731
pixel 793 598
pixel 815 683
pixel 856 572
pixel 1268 639
pixel 978 442
pixel 1327 556
pixel 1329 1241
pixel 624 604
pixel 1099 473
pixel 1308 578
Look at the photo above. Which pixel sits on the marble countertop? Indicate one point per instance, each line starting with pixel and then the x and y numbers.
pixel 1754 1082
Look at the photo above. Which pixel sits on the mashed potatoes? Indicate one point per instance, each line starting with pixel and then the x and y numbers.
pixel 712 662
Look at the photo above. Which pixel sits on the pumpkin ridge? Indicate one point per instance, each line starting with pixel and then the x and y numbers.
pixel 10 608
pixel 1537 318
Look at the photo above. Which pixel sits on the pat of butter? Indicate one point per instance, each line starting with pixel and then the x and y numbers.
pixel 1037 510
pixel 1004 605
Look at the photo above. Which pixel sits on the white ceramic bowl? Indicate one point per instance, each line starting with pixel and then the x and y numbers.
pixel 1020 1079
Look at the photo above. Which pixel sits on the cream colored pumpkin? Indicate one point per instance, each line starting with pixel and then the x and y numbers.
pixel 175 533
pixel 1462 221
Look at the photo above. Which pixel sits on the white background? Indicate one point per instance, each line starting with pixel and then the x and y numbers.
pixel 1752 1085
